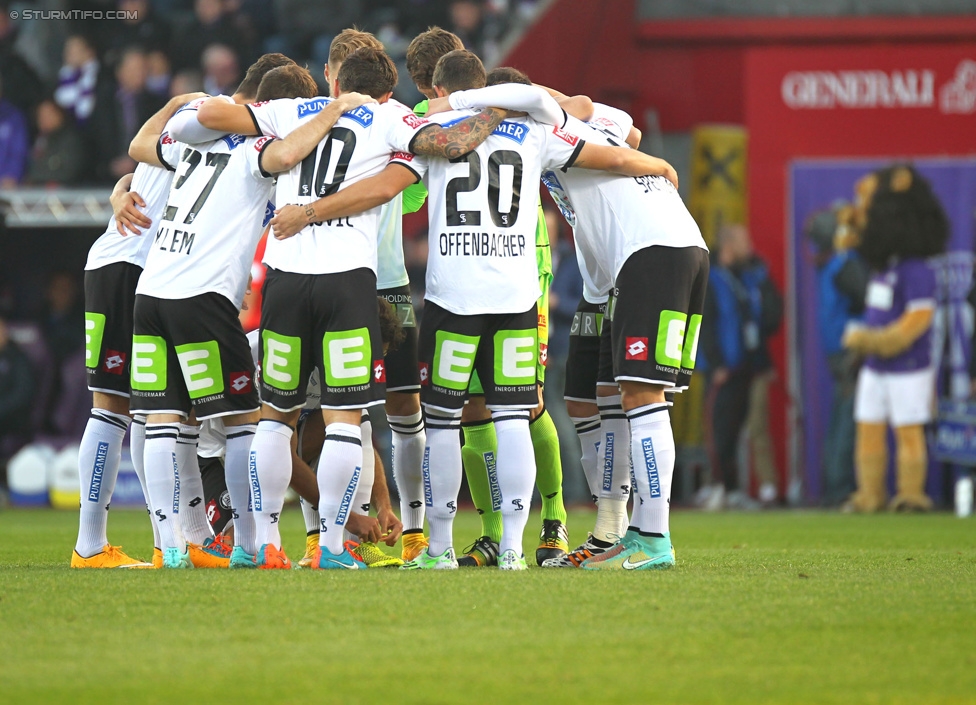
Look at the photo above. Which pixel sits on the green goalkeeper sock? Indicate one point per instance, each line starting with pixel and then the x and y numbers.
pixel 478 455
pixel 548 465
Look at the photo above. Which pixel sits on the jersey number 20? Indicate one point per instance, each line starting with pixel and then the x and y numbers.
pixel 469 183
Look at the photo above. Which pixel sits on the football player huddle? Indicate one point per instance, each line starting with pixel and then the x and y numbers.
pixel 285 406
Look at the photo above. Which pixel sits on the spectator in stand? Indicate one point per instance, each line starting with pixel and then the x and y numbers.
pixel 142 26
pixel 210 25
pixel 185 82
pixel 160 75
pixel 24 88
pixel 743 309
pixel 221 71
pixel 122 107
pixel 308 28
pixel 842 282
pixel 63 319
pixel 59 155
pixel 78 78
pixel 16 387
pixel 14 143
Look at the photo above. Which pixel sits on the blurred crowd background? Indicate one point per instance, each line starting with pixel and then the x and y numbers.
pixel 742 96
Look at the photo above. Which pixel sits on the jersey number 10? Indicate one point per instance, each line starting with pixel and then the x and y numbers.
pixel 332 164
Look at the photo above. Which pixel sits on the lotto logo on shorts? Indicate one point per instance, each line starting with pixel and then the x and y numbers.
pixel 636 348
pixel 379 372
pixel 114 362
pixel 239 382
pixel 424 373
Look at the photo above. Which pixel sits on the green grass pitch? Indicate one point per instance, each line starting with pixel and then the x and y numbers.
pixel 761 608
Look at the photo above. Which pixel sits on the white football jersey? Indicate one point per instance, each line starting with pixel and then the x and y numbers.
pixel 597 280
pixel 212 221
pixel 391 271
pixel 483 215
pixel 152 183
pixel 359 146
pixel 614 216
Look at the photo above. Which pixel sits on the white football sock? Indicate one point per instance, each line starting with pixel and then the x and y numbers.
pixel 162 481
pixel 409 442
pixel 270 473
pixel 442 471
pixel 98 468
pixel 515 467
pixel 614 463
pixel 239 483
pixel 588 430
pixel 364 490
pixel 193 512
pixel 652 446
pixel 311 516
pixel 137 449
pixel 340 467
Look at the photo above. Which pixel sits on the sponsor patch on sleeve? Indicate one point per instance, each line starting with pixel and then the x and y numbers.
pixel 567 137
pixel 402 156
pixel 414 121
pixel 259 145
pixel 166 139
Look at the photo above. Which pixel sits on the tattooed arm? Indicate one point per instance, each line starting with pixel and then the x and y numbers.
pixel 459 139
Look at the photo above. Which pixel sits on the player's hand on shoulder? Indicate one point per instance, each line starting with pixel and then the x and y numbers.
pixel 128 217
pixel 669 172
pixel 438 105
pixel 351 101
pixel 288 221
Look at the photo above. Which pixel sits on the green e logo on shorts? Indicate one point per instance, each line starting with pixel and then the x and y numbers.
pixel 690 350
pixel 94 330
pixel 454 359
pixel 348 357
pixel 670 338
pixel 148 363
pixel 516 353
pixel 282 360
pixel 202 372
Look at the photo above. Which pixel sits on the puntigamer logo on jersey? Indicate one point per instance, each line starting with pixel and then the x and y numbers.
pixel 313 106
pixel 363 115
pixel 511 130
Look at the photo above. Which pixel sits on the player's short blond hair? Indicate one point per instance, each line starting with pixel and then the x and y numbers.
pixel 348 40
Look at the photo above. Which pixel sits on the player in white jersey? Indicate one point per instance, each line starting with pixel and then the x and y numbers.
pixel 111 272
pixel 641 233
pixel 114 264
pixel 331 265
pixel 393 284
pixel 188 298
pixel 481 281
